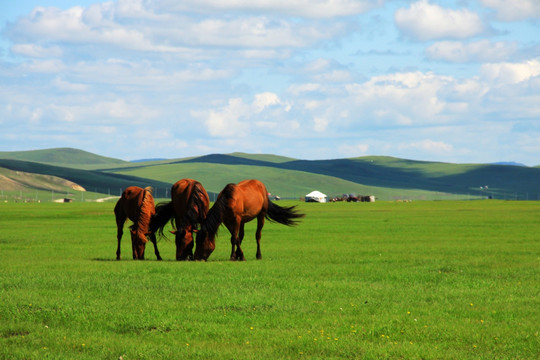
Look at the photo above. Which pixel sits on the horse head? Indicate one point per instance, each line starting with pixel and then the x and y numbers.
pixel 205 245
pixel 184 243
pixel 138 244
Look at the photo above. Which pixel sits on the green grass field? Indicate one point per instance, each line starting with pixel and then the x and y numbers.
pixel 385 280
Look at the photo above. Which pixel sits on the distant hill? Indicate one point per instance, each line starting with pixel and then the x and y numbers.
pixel 61 156
pixel 511 163
pixel 147 160
pixel 91 180
pixel 389 172
pixel 384 177
pixel 20 180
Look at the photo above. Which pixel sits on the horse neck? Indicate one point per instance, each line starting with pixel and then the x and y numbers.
pixel 215 216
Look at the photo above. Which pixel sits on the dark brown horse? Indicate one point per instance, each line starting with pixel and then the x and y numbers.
pixel 239 204
pixel 137 205
pixel 187 208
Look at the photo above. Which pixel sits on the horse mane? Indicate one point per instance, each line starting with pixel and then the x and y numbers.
pixel 215 214
pixel 197 207
pixel 146 206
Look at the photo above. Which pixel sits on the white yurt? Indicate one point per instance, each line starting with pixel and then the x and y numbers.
pixel 316 196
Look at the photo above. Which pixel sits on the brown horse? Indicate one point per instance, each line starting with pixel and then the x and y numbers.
pixel 136 204
pixel 239 204
pixel 187 208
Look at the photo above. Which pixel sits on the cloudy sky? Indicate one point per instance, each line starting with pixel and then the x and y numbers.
pixel 450 80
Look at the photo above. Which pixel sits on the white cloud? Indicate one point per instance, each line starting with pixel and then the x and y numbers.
pixel 424 21
pixel 253 32
pixel 134 26
pixel 297 89
pixel 401 98
pixel 69 86
pixel 237 118
pixel 334 76
pixel 301 8
pixel 320 124
pixel 514 10
pixel 354 150
pixel 226 121
pixel 427 145
pixel 477 51
pixel 265 100
pixel 95 25
pixel 43 66
pixel 511 73
pixel 37 51
pixel 317 65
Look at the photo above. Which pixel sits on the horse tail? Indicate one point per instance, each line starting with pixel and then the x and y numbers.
pixel 164 213
pixel 286 215
pixel 150 190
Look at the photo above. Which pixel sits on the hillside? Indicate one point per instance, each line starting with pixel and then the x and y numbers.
pixel 66 157
pixel 19 180
pixel 503 181
pixel 385 177
pixel 285 183
pixel 92 180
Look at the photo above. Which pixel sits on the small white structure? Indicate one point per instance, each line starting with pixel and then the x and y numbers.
pixel 316 196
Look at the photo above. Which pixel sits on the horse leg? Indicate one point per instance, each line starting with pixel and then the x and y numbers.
pixel 134 244
pixel 237 254
pixel 120 220
pixel 233 247
pixel 119 234
pixel 260 224
pixel 240 253
pixel 154 241
pixel 184 244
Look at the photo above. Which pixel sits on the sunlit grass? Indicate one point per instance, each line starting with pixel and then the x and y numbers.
pixel 432 280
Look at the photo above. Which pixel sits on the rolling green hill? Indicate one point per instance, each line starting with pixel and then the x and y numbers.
pixel 384 177
pixel 285 183
pixel 65 157
pixel 502 181
pixel 92 180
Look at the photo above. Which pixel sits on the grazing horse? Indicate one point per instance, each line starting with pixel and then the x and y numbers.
pixel 187 208
pixel 136 204
pixel 238 204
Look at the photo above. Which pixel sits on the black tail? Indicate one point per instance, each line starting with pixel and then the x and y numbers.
pixel 164 213
pixel 286 215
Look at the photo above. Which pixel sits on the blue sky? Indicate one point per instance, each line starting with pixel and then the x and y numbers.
pixel 453 81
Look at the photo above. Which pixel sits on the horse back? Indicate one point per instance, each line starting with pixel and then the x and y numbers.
pixel 134 201
pixel 252 196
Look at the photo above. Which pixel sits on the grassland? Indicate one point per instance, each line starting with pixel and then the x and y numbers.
pixel 387 280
